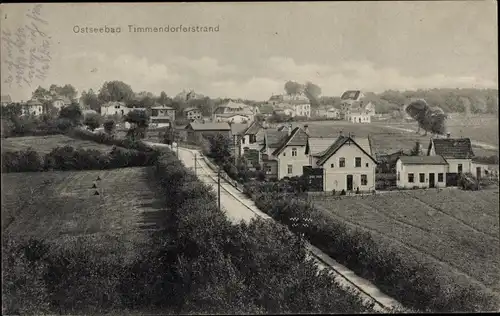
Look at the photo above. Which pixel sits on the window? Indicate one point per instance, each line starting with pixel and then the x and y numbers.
pixel 290 169
pixel 331 166
pixel 422 177
pixel 284 154
pixel 399 176
pixel 294 152
pixel 367 165
pixel 243 140
pixel 364 179
pixel 410 177
pixel 357 162
pixel 268 169
pixel 440 177
pixel 459 168
pixel 342 162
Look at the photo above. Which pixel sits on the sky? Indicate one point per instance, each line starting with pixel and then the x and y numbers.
pixel 371 46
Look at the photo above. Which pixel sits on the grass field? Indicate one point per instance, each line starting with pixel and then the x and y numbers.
pixel 44 144
pixel 456 230
pixel 60 206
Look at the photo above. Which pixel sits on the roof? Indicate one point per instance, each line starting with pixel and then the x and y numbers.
pixel 457 148
pixel 253 128
pixel 190 109
pixel 273 138
pixel 5 98
pixel 341 141
pixel 34 102
pixel 162 107
pixel 316 146
pixel 266 109
pixel 298 137
pixel 237 128
pixel 423 160
pixel 210 126
pixel 233 105
pixel 231 114
pixel 350 95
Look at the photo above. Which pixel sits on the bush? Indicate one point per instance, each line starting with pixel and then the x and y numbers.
pixel 342 192
pixel 410 280
pixel 21 161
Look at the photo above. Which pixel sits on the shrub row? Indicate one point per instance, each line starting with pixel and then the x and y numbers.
pixel 407 278
pixel 108 139
pixel 69 158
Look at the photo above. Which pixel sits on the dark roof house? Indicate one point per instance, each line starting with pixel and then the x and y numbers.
pixel 350 95
pixel 298 137
pixel 451 148
pixel 423 160
pixel 341 141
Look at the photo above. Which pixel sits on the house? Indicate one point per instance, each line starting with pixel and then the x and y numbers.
pixel 285 110
pixel 250 140
pixel 197 131
pixel 272 140
pixel 317 146
pixel 5 99
pixel 114 108
pixel 266 110
pixel 60 102
pixel 192 113
pixel 293 109
pixel 32 107
pixel 225 112
pixel 162 115
pixel 332 113
pixel 347 164
pixel 291 154
pixel 456 151
pixel 421 172
pixel 232 118
pixel 357 117
pixel 483 169
pixel 354 108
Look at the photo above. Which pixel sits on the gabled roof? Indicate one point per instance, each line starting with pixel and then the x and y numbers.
pixel 34 102
pixel 317 145
pixel 298 137
pixel 5 98
pixel 454 148
pixel 350 95
pixel 209 126
pixel 341 141
pixel 423 160
pixel 253 128
pixel 273 138
pixel 237 128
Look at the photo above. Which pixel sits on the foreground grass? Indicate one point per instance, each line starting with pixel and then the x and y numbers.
pixel 45 144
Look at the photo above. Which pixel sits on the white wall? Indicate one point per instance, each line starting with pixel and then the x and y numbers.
pixel 466 165
pixel 336 177
pixel 404 170
pixel 298 162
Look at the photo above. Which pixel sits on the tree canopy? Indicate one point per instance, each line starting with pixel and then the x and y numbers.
pixel 116 91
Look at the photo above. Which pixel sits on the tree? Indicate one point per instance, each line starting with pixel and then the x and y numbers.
pixel 140 122
pixel 92 121
pixel 115 91
pixel 68 91
pixel 73 113
pixel 91 100
pixel 109 126
pixel 40 93
pixel 312 92
pixel 292 87
pixel 11 110
pixel 220 148
pixel 416 149
pixel 163 99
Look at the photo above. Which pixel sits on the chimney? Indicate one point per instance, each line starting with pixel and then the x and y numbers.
pixel 306 129
pixel 341 134
pixel 448 135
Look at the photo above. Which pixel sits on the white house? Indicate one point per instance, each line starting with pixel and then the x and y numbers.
pixel 233 118
pixel 192 113
pixel 224 110
pixel 456 151
pixel 32 107
pixel 347 165
pixel 421 172
pixel 332 113
pixel 357 117
pixel 272 140
pixel 354 108
pixel 162 115
pixel 60 102
pixel 114 108
pixel 251 138
pixel 290 154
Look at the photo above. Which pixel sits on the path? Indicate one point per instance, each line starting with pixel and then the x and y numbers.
pixel 239 207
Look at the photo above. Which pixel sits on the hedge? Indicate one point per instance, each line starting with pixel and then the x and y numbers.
pixel 69 158
pixel 412 281
pixel 107 139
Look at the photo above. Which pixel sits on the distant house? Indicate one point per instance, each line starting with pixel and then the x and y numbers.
pixel 162 115
pixel 228 111
pixel 60 102
pixel 5 99
pixel 192 113
pixel 266 110
pixel 32 107
pixel 250 139
pixel 332 113
pixel 197 131
pixel 347 164
pixel 354 108
pixel 421 171
pixel 114 108
pixel 456 151
pixel 272 140
pixel 233 118
pixel 485 169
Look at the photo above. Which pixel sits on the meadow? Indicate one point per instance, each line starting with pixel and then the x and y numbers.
pixel 61 206
pixel 457 231
pixel 45 144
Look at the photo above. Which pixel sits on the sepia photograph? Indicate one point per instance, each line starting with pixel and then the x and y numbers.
pixel 249 158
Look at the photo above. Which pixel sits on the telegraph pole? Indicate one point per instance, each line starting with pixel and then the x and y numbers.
pixel 218 187
pixel 195 164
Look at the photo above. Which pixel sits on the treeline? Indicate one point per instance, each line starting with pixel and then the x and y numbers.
pixel 414 282
pixel 197 263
